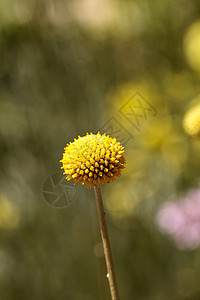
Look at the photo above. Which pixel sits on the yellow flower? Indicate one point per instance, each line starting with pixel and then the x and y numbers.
pixel 93 159
pixel 191 122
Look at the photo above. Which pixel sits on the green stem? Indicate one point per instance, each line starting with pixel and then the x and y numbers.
pixel 106 244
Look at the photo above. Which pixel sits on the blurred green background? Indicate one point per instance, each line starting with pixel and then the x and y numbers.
pixel 66 68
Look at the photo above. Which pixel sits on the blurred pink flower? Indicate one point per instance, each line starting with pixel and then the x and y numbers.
pixel 181 220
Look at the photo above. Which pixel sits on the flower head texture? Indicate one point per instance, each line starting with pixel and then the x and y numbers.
pixel 181 220
pixel 93 159
pixel 191 122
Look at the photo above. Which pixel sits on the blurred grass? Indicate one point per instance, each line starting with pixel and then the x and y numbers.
pixel 65 67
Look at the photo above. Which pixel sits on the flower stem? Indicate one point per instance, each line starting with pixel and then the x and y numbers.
pixel 106 244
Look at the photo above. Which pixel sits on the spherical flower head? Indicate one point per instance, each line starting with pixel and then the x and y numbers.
pixel 93 159
pixel 191 122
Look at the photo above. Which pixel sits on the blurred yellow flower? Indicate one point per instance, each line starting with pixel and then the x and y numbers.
pixel 122 201
pixel 146 88
pixel 9 216
pixel 156 133
pixel 179 86
pixel 191 122
pixel 192 46
pixel 93 159
pixel 161 137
